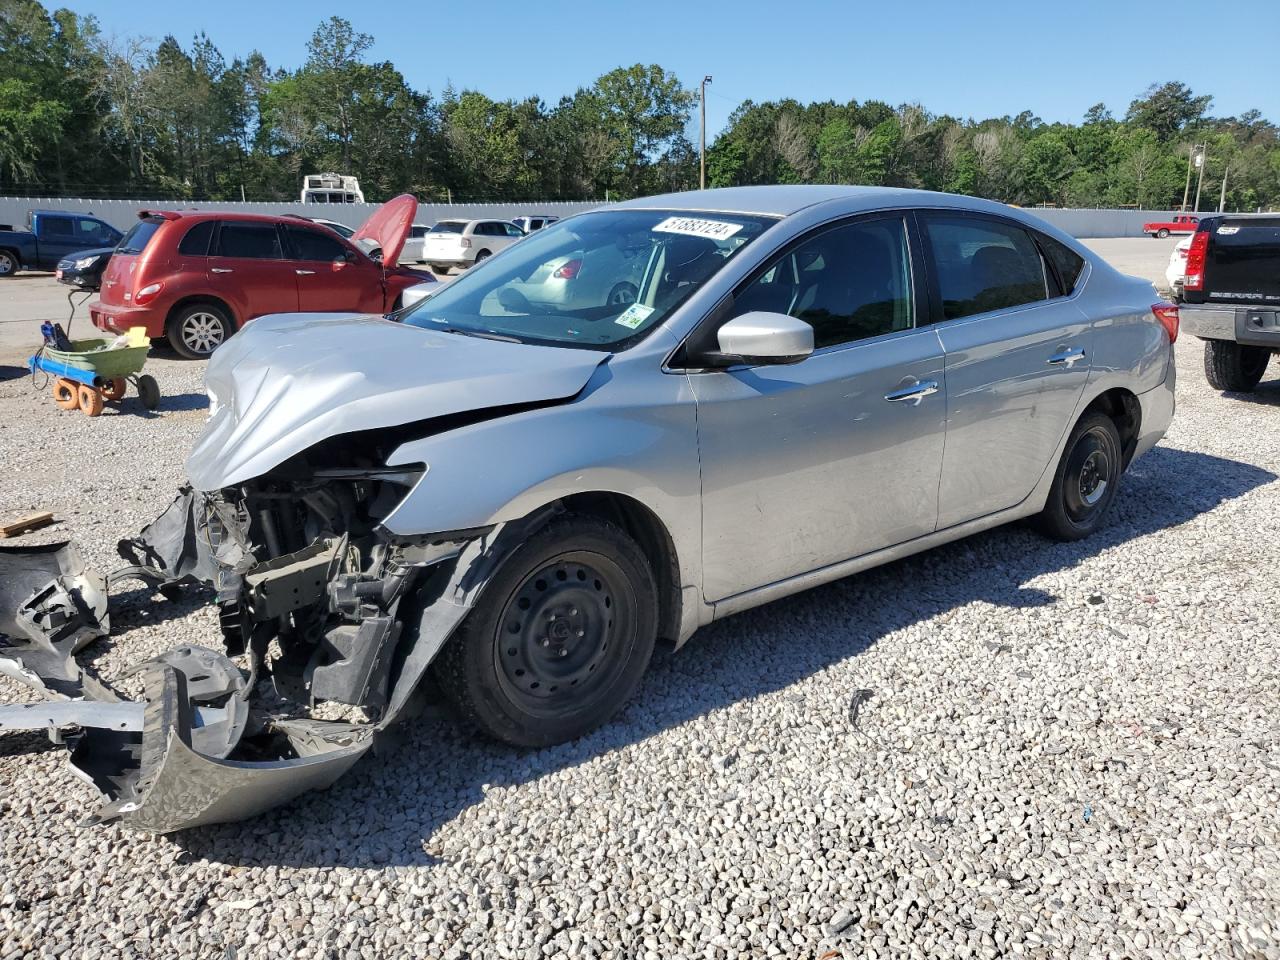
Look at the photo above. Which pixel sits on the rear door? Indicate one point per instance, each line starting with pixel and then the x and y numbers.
pixel 1017 359
pixel 248 269
pixel 329 275
pixel 56 238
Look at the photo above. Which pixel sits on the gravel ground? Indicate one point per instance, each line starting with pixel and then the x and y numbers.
pixel 1004 747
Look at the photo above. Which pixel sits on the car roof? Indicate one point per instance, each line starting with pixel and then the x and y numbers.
pixel 783 200
pixel 194 215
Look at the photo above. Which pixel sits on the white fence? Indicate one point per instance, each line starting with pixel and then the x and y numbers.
pixel 122 213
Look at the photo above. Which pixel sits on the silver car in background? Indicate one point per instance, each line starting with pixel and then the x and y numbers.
pixel 462 243
pixel 520 493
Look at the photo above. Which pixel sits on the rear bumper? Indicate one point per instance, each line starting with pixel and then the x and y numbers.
pixel 118 319
pixel 1157 411
pixel 1252 326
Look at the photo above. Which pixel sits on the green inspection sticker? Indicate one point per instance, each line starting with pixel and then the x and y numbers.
pixel 634 315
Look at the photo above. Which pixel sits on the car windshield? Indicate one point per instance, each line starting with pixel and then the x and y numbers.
pixel 136 240
pixel 449 226
pixel 600 280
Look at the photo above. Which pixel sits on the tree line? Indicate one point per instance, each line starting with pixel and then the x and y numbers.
pixel 86 115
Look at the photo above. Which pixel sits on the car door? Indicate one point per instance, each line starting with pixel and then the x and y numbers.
pixel 808 464
pixel 1017 359
pixel 248 270
pixel 56 239
pixel 330 275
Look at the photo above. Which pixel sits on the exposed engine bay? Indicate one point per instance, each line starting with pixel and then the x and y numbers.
pixel 329 625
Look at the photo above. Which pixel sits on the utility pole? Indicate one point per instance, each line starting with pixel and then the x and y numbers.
pixel 1202 161
pixel 1186 191
pixel 1222 197
pixel 702 135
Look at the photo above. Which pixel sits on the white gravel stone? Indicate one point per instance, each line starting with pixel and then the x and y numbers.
pixel 1059 750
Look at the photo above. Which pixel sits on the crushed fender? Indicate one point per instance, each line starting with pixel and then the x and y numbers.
pixel 336 623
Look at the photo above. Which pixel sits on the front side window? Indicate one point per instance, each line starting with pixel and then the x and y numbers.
pixel 511 230
pixel 983 265
pixel 314 245
pixel 848 283
pixel 601 280
pixel 93 231
pixel 250 241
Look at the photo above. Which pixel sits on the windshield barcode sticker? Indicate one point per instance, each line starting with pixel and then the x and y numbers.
pixel 696 227
pixel 634 315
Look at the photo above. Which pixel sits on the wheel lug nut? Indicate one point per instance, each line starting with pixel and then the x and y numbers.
pixel 582 633
pixel 573 612
pixel 546 641
pixel 564 652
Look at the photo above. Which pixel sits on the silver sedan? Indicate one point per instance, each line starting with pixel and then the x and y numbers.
pixel 805 382
pixel 520 493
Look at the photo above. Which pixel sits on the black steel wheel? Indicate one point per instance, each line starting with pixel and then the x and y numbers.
pixel 1086 480
pixel 560 638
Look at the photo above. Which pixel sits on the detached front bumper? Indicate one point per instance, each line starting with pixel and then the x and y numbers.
pixel 210 741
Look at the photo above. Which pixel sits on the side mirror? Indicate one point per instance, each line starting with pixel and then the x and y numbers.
pixel 762 337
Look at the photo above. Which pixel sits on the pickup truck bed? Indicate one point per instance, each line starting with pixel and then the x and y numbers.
pixel 1231 297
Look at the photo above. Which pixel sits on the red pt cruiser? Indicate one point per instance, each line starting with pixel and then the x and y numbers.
pixel 197 277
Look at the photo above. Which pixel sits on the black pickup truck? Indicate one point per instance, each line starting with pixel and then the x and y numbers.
pixel 51 236
pixel 1231 297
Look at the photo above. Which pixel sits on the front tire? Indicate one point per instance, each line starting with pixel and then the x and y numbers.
pixel 1085 482
pixel 198 329
pixel 560 639
pixel 1230 366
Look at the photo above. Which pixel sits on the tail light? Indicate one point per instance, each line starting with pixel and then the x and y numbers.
pixel 568 270
pixel 464 242
pixel 147 294
pixel 1167 314
pixel 1193 272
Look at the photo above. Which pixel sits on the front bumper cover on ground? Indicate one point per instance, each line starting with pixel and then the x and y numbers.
pixel 198 749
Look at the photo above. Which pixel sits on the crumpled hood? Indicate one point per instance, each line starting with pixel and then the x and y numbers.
pixel 288 381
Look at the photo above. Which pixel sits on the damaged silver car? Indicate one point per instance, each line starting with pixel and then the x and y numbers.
pixel 515 492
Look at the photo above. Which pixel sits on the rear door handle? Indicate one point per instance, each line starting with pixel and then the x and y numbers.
pixel 304 273
pixel 1067 357
pixel 915 393
pixel 220 270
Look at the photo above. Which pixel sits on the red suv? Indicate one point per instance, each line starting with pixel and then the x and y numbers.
pixel 197 277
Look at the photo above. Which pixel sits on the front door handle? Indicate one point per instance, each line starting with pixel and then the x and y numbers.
pixel 1066 357
pixel 915 393
pixel 220 270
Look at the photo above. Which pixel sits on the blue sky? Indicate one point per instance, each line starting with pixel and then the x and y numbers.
pixel 963 57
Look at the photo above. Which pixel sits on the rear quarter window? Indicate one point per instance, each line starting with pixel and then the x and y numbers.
pixel 1065 262
pixel 136 240
pixel 196 241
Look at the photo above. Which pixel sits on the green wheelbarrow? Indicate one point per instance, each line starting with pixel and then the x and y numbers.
pixel 88 375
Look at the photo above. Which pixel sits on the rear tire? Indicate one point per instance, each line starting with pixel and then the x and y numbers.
pixel 1162 233
pixel 8 264
pixel 148 391
pixel 1230 366
pixel 66 393
pixel 198 329
pixel 91 401
pixel 1085 482
pixel 560 639
pixel 482 255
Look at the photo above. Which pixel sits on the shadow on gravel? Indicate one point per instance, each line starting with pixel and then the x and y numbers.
pixel 8 372
pixel 385 812
pixel 1266 393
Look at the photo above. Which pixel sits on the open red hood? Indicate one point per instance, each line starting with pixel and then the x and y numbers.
pixel 389 225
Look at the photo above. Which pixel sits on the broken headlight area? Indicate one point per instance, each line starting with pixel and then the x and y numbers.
pixel 334 623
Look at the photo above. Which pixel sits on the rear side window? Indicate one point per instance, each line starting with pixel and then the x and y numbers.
pixel 1066 262
pixel 983 265
pixel 314 245
pixel 136 240
pixel 250 241
pixel 196 242
pixel 56 227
